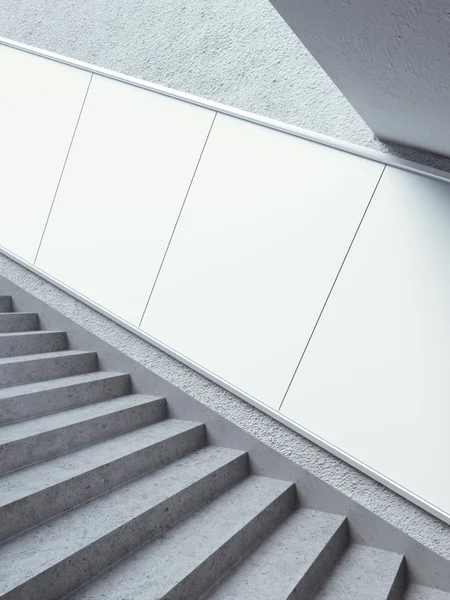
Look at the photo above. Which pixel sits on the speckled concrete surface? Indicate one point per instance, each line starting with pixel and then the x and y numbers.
pixel 410 519
pixel 47 562
pixel 243 55
pixel 41 491
pixel 34 399
pixel 364 573
pixel 38 367
pixel 23 343
pixel 16 322
pixel 5 304
pixel 303 548
pixel 175 565
pixel 417 592
pixel 30 441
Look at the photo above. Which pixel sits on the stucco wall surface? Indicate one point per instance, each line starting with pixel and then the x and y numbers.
pixel 241 54
pixel 409 518
pixel 390 59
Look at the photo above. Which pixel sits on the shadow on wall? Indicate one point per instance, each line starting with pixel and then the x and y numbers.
pixel 434 161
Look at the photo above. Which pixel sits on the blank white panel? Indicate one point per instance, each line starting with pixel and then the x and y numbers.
pixel 375 379
pixel 127 175
pixel 266 225
pixel 40 102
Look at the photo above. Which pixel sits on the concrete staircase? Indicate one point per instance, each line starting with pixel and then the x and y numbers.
pixel 102 495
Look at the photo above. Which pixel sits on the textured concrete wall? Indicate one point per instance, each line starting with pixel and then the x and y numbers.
pixel 389 58
pixel 242 54
pixel 397 511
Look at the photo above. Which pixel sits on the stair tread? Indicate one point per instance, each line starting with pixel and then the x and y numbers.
pixel 419 592
pixel 16 312
pixel 32 479
pixel 43 356
pixel 292 547
pixel 105 487
pixel 362 572
pixel 39 332
pixel 41 547
pixel 52 384
pixel 154 569
pixel 29 427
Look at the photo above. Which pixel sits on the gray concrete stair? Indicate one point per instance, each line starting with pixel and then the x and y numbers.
pixel 41 367
pixel 102 495
pixel 366 573
pixel 5 304
pixel 31 342
pixel 16 321
pixel 52 559
pixel 419 592
pixel 289 563
pixel 26 442
pixel 185 560
pixel 42 397
pixel 34 494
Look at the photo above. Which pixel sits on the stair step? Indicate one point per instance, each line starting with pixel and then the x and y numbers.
pixel 419 592
pixel 34 494
pixel 184 561
pixel 5 304
pixel 31 342
pixel 26 442
pixel 42 397
pixel 40 367
pixel 302 550
pixel 17 321
pixel 53 559
pixel 365 572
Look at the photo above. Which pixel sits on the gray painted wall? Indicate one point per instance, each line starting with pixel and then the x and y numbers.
pixel 389 58
pixel 241 54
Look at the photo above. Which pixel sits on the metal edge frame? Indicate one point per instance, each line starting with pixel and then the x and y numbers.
pixel 374 155
pixel 306 433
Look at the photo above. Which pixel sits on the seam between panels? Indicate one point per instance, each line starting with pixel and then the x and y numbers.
pixel 178 219
pixel 332 287
pixel 377 156
pixel 63 168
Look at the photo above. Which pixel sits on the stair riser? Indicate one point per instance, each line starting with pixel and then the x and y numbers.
pixel 47 401
pixel 5 304
pixel 34 509
pixel 43 369
pixel 22 345
pixel 398 585
pixel 364 572
pixel 79 568
pixel 13 322
pixel 323 564
pixel 39 447
pixel 217 564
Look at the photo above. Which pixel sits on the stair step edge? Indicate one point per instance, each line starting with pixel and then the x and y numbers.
pixel 114 523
